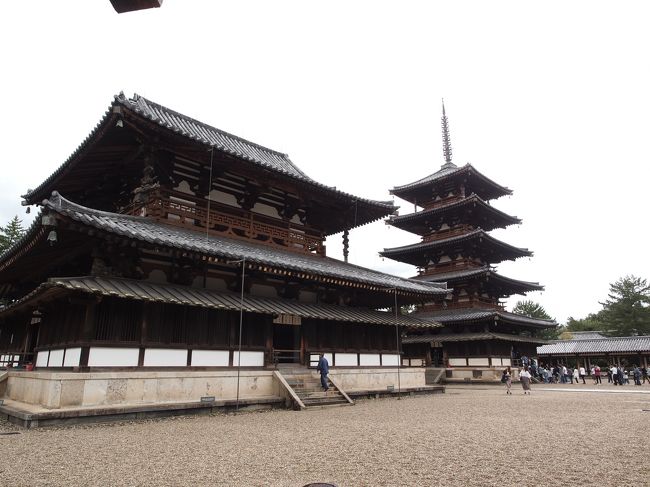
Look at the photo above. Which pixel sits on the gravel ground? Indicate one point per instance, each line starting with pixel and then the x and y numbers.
pixel 468 436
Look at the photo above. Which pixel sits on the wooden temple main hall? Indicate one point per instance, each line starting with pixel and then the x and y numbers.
pixel 169 254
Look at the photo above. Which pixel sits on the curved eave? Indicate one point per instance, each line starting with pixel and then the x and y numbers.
pixel 486 274
pixel 178 124
pixel 415 253
pixel 324 269
pixel 470 337
pixel 462 316
pixel 408 191
pixel 417 222
pixel 32 236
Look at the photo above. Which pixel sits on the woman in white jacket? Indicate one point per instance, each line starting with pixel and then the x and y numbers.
pixel 524 377
pixel 583 373
pixel 576 374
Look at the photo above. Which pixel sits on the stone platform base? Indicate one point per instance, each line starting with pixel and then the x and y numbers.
pixel 28 416
pixel 479 375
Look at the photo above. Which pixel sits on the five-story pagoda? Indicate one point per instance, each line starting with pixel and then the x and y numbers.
pixel 456 248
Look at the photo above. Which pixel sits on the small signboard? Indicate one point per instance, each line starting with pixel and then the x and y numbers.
pixel 390 388
pixel 207 399
pixel 287 319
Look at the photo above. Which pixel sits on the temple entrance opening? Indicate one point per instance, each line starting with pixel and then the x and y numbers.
pixel 286 344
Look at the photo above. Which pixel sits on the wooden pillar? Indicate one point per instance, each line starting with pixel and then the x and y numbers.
pixel 87 333
pixel 268 348
pixel 144 332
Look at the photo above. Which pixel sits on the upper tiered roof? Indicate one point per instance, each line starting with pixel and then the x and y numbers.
pixel 477 243
pixel 447 178
pixel 113 145
pixel 471 210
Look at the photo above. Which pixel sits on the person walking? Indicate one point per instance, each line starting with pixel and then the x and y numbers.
pixel 324 369
pixel 506 378
pixel 524 377
pixel 576 375
pixel 583 373
pixel 614 371
pixel 637 376
pixel 644 371
pixel 597 375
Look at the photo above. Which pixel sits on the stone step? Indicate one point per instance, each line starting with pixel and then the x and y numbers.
pixel 323 401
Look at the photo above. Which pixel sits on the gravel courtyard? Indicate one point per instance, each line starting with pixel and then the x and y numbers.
pixel 468 436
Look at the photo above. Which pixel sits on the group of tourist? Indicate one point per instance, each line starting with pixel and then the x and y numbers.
pixel 563 374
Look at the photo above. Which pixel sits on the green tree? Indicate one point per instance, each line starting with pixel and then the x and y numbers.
pixel 627 308
pixel 11 233
pixel 592 322
pixel 535 310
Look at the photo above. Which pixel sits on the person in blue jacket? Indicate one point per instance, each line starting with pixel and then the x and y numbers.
pixel 324 369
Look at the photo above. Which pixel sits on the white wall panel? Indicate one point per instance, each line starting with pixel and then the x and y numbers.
pixel 56 358
pixel 457 362
pixel 496 362
pixel 113 357
pixel 506 362
pixel 210 358
pixel 41 358
pixel 346 359
pixel 165 357
pixel 369 359
pixel 249 359
pixel 72 357
pixel 482 362
pixel 389 360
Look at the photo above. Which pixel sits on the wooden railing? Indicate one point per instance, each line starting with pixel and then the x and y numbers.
pixel 187 211
pixel 286 356
pixel 451 232
pixel 451 266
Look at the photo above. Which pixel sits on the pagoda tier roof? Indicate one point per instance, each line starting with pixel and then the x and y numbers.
pixel 204 298
pixel 594 346
pixel 470 337
pixel 486 274
pixel 461 316
pixel 472 210
pixel 476 243
pixel 273 259
pixel 420 191
pixel 81 169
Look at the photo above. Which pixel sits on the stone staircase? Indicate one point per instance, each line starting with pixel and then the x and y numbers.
pixel 306 388
pixel 434 375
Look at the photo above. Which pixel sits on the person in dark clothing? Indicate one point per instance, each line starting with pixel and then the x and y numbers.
pixel 324 369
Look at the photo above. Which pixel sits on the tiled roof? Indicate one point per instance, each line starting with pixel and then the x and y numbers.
pixel 464 315
pixel 470 337
pixel 585 335
pixel 189 296
pixel 485 271
pixel 475 234
pixel 204 134
pixel 470 200
pixel 152 232
pixel 597 345
pixel 446 171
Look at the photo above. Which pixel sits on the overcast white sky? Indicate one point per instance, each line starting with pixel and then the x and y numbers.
pixel 551 99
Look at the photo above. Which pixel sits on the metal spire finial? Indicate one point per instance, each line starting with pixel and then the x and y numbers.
pixel 446 140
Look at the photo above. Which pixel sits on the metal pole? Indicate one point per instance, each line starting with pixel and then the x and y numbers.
pixel 241 320
pixel 399 357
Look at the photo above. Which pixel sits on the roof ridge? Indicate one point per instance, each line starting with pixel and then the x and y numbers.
pixel 123 99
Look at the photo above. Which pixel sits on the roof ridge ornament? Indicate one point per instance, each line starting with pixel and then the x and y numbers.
pixel 446 139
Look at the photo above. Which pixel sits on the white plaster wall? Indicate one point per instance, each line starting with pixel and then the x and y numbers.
pixel 389 360
pixel 56 358
pixel 457 362
pixel 113 357
pixel 264 209
pixel 165 357
pixel 346 360
pixel 314 357
pixel 41 358
pixel 249 359
pixel 369 359
pixel 72 357
pixel 210 358
pixel 480 362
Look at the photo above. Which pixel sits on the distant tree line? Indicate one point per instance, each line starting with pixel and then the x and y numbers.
pixel 625 312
